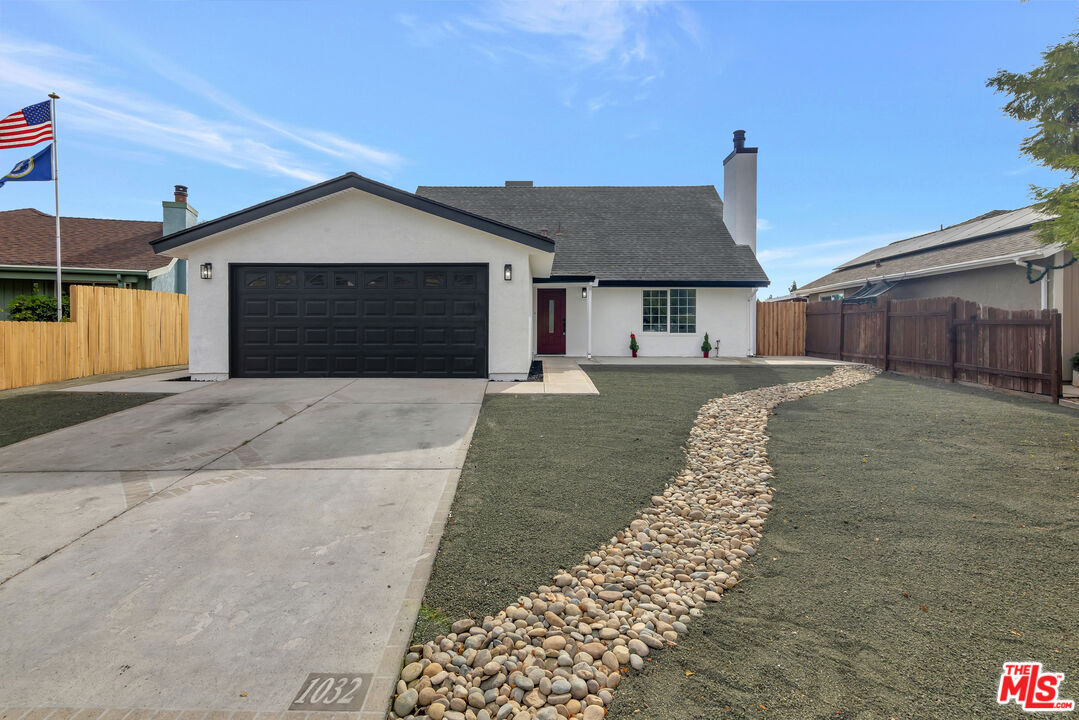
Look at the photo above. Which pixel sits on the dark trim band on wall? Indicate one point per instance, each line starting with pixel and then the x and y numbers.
pixel 357 182
pixel 684 283
pixel 563 279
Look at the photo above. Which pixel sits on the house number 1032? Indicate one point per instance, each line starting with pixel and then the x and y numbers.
pixel 332 691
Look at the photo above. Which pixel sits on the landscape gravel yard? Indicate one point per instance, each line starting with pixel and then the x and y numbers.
pixel 562 650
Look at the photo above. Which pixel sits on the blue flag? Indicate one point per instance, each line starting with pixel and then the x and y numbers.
pixel 38 167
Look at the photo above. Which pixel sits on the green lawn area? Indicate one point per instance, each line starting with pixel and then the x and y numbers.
pixel 894 495
pixel 891 496
pixel 549 477
pixel 25 415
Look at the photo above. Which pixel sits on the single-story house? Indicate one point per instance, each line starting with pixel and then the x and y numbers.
pixel 94 251
pixel 994 259
pixel 351 277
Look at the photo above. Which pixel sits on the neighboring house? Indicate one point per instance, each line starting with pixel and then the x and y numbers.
pixel 94 251
pixel 351 277
pixel 991 259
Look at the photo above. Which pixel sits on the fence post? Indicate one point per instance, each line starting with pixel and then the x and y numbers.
pixel 840 348
pixel 885 340
pixel 951 340
pixel 1056 360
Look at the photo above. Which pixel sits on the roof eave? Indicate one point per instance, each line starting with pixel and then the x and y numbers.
pixel 52 268
pixel 339 184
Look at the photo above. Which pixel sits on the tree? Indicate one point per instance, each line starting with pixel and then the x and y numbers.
pixel 37 308
pixel 1048 97
pixel 794 286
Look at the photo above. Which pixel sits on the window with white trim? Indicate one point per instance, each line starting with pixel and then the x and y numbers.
pixel 673 311
pixel 654 318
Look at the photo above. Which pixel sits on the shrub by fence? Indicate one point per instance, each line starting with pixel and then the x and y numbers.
pixel 111 330
pixel 948 338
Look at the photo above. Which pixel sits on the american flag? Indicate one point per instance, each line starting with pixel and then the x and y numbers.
pixel 29 126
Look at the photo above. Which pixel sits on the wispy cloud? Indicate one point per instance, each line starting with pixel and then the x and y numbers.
pixel 595 104
pixel 242 139
pixel 594 31
pixel 763 225
pixel 614 42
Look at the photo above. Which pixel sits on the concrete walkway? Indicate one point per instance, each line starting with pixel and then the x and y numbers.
pixel 169 383
pixel 211 551
pixel 561 376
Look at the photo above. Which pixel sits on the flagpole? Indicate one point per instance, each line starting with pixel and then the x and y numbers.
pixel 53 97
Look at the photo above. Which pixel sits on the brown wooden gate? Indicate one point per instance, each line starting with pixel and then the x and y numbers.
pixel 781 328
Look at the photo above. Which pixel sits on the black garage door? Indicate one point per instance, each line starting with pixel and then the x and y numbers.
pixel 358 320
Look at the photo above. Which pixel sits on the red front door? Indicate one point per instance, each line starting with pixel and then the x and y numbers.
pixel 551 322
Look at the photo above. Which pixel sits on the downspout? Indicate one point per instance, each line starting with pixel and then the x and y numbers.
pixel 588 312
pixel 753 322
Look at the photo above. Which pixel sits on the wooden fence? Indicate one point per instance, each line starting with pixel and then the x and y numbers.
pixel 111 330
pixel 948 338
pixel 781 328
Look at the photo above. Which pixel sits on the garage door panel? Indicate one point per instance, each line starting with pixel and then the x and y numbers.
pixel 346 336
pixel 375 308
pixel 288 336
pixel 358 320
pixel 286 308
pixel 285 364
pixel 345 308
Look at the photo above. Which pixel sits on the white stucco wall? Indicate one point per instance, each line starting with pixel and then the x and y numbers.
pixel 724 313
pixel 356 227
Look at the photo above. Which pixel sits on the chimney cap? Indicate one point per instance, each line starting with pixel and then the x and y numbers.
pixel 518 183
pixel 180 193
pixel 739 139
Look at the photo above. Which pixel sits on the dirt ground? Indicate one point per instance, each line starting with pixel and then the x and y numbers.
pixel 25 415
pixel 924 534
pixel 548 477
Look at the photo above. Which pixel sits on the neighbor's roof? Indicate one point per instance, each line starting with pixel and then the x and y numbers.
pixel 353 181
pixel 631 234
pixel 996 234
pixel 991 223
pixel 28 238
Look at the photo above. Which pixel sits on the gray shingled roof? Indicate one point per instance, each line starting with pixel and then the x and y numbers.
pixel 977 249
pixel 994 222
pixel 629 234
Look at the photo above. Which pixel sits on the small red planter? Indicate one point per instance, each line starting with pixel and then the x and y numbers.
pixel 705 353
pixel 634 353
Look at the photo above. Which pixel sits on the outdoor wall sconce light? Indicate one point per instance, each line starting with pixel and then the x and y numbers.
pixel 584 293
pixel 508 272
pixel 206 271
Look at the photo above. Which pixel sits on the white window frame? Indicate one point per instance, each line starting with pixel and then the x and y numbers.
pixel 667 330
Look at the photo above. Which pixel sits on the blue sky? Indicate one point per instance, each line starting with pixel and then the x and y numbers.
pixel 873 119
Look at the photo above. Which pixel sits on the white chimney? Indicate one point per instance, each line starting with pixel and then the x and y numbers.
pixel 740 192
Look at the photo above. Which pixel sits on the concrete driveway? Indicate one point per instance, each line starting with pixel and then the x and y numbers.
pixel 213 550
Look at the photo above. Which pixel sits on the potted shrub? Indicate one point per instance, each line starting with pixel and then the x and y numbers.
pixel 706 347
pixel 633 346
pixel 1075 361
